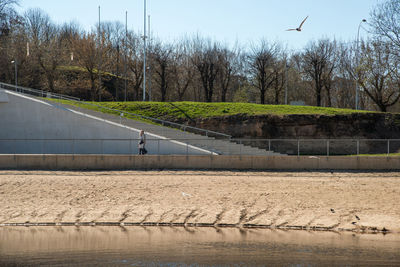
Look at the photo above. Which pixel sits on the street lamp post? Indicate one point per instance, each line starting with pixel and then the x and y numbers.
pixel 16 74
pixel 144 54
pixel 125 51
pixel 358 58
pixel 286 82
pixel 100 55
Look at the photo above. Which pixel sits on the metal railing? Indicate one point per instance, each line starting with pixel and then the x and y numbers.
pixel 104 146
pixel 182 127
pixel 80 103
pixel 242 147
pixel 36 92
pixel 325 147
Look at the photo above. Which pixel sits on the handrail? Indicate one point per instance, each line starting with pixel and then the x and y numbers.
pixel 387 146
pixel 314 139
pixel 41 93
pixel 46 94
pixel 162 122
pixel 185 139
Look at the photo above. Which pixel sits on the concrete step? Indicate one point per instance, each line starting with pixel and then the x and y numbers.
pixel 219 146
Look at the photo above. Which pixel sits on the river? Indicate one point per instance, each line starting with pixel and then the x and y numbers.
pixel 168 246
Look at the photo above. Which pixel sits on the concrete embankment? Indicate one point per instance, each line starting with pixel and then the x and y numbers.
pixel 127 162
pixel 338 201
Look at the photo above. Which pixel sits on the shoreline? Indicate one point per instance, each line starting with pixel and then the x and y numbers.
pixel 361 230
pixel 359 202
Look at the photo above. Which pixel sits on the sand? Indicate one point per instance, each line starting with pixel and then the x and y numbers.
pixel 285 200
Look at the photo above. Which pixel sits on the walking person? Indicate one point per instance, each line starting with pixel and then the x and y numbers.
pixel 142 143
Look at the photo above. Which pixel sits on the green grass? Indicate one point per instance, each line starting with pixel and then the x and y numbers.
pixel 194 110
pixel 81 69
pixel 379 155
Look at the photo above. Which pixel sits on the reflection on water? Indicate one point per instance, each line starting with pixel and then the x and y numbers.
pixel 152 246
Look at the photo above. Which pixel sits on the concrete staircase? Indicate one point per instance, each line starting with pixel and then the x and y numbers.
pixel 219 146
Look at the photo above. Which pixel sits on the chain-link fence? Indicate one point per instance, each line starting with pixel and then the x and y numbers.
pixel 210 146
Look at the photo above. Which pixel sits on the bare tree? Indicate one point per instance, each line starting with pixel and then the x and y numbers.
pixel 85 49
pixel 385 21
pixel 261 61
pixel 135 63
pixel 47 46
pixel 8 16
pixel 205 58
pixel 230 66
pixel 378 74
pixel 182 69
pixel 279 79
pixel 318 63
pixel 113 33
pixel 161 56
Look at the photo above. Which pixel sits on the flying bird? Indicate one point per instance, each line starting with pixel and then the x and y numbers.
pixel 299 28
pixel 358 218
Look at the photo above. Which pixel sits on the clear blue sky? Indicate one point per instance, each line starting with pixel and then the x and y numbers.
pixel 227 21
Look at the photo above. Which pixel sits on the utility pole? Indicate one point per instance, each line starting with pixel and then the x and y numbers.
pixel 149 35
pixel 100 55
pixel 144 54
pixel 125 49
pixel 118 73
pixel 16 74
pixel 286 82
pixel 358 58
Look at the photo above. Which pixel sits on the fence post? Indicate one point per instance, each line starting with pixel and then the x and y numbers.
pixel 240 146
pixel 158 146
pixel 73 148
pixel 388 147
pixel 298 147
pixel 327 148
pixel 269 144
pixel 358 147
pixel 187 149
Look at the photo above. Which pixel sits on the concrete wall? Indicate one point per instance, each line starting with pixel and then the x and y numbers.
pixel 119 162
pixel 23 117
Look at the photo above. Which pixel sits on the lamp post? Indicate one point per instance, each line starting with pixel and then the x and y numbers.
pixel 125 50
pixel 286 82
pixel 100 55
pixel 16 74
pixel 144 54
pixel 149 66
pixel 358 57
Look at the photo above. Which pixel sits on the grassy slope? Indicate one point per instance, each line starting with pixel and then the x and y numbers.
pixel 379 155
pixel 195 110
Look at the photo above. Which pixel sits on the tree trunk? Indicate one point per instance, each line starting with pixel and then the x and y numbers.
pixel 262 97
pixel 50 80
pixel 318 94
pixel 223 96
pixel 276 97
pixel 92 87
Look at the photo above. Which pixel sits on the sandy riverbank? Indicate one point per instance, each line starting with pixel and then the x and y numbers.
pixel 308 200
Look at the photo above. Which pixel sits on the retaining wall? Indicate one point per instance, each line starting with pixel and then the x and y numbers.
pixel 32 126
pixel 129 162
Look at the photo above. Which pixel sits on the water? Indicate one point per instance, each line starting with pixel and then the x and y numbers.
pixel 164 246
